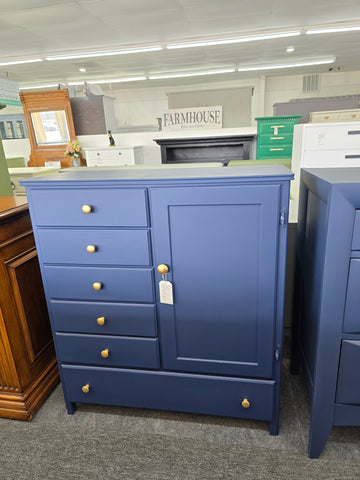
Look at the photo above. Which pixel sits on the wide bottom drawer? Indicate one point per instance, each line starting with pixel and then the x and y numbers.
pixel 204 394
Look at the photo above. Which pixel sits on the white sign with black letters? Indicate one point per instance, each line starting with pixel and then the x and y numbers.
pixel 197 117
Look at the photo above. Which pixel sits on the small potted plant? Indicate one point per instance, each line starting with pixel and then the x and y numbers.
pixel 73 150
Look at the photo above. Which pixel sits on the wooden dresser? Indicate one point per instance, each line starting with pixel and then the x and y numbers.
pixel 107 238
pixel 28 368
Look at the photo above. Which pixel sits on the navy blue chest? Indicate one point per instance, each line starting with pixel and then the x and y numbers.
pixel 216 349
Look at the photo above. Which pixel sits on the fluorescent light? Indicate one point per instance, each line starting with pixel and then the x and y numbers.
pixel 190 74
pixel 118 80
pixel 39 86
pixel 18 62
pixel 71 56
pixel 348 28
pixel 300 63
pixel 223 41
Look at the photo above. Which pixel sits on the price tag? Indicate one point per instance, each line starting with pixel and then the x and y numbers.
pixel 166 292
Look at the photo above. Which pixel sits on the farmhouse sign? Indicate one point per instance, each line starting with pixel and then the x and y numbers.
pixel 197 117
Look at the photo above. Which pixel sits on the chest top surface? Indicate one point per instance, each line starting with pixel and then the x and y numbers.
pixel 165 176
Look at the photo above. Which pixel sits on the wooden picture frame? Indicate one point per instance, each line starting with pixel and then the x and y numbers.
pixel 50 126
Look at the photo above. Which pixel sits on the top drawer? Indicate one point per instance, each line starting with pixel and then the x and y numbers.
pixel 337 136
pixel 275 128
pixel 117 207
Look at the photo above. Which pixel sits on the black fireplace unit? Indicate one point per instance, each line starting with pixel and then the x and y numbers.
pixel 205 149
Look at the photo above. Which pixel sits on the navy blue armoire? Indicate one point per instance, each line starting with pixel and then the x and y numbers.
pixel 215 237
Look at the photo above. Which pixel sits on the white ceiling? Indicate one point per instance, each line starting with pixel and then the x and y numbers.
pixel 38 28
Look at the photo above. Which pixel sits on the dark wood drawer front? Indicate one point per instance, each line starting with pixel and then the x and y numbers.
pixel 348 387
pixel 95 247
pixel 126 208
pixel 213 395
pixel 352 306
pixel 117 284
pixel 108 350
pixel 104 318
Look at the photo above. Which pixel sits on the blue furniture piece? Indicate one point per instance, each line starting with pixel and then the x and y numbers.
pixel 326 333
pixel 221 234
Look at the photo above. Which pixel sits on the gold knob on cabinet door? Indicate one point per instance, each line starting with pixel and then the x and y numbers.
pixel 97 285
pixel 85 388
pixel 100 320
pixel 91 248
pixel 162 268
pixel 86 208
pixel 105 353
pixel 245 403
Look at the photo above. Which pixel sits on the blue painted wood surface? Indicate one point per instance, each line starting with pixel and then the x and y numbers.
pixel 222 232
pixel 326 310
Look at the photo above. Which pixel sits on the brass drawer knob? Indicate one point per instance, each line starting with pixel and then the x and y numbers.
pixel 105 353
pixel 100 320
pixel 91 248
pixel 163 269
pixel 85 388
pixel 245 403
pixel 86 208
pixel 97 285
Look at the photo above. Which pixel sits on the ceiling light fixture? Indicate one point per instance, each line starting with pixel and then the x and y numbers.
pixel 245 38
pixel 290 49
pixel 334 29
pixel 191 74
pixel 32 87
pixel 105 53
pixel 274 66
pixel 18 62
pixel 82 69
pixel 117 80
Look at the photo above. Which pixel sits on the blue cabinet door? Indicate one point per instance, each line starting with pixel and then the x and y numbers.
pixel 221 247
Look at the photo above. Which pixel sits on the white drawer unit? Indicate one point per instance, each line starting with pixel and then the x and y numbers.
pixel 321 145
pixel 113 156
pixel 350 115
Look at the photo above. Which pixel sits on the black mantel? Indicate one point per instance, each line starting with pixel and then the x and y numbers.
pixel 205 149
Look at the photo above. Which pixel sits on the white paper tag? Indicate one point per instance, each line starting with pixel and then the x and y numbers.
pixel 166 292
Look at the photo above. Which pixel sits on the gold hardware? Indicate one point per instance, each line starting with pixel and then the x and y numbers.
pixel 105 353
pixel 86 388
pixel 327 117
pixel 97 285
pixel 245 403
pixel 163 269
pixel 353 115
pixel 277 126
pixel 277 138
pixel 275 149
pixel 91 248
pixel 100 320
pixel 86 208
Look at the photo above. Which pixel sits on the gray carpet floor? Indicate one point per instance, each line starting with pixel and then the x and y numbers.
pixel 114 443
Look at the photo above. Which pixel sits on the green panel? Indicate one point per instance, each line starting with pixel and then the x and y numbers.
pixel 273 140
pixel 275 161
pixel 6 101
pixel 5 184
pixel 266 151
pixel 15 162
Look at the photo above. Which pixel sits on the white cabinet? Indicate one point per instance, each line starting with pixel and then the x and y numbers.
pixel 317 145
pixel 113 156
